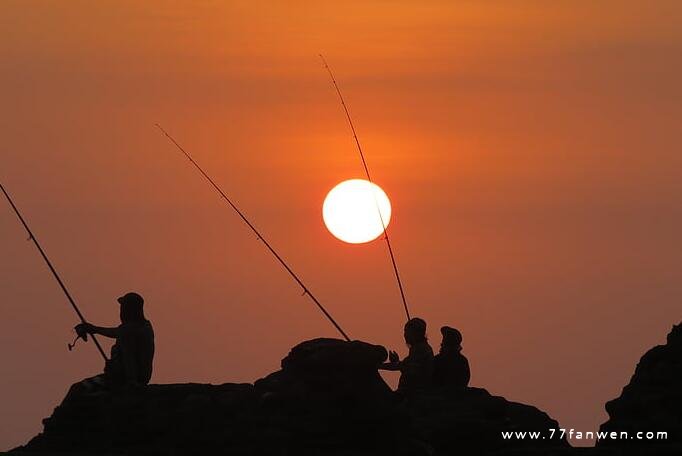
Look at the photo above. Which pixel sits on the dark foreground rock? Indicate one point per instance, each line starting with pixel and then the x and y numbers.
pixel 652 401
pixel 327 399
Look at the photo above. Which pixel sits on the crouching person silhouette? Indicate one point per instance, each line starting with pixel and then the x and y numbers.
pixel 130 364
pixel 417 368
pixel 450 367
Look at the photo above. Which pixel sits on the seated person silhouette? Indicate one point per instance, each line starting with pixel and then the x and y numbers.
pixel 450 367
pixel 130 363
pixel 416 369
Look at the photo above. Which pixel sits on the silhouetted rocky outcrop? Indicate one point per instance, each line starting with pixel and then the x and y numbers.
pixel 327 399
pixel 652 401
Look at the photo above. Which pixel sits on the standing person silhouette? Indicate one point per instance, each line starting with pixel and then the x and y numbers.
pixel 416 368
pixel 132 355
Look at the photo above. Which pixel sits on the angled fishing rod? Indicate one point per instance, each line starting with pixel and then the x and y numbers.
pixel 364 165
pixel 306 291
pixel 54 273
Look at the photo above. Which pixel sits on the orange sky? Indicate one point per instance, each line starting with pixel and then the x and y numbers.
pixel 531 151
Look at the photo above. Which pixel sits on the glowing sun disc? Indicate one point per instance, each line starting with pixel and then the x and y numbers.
pixel 351 211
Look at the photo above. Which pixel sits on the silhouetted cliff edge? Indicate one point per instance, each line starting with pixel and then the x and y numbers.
pixel 652 401
pixel 327 399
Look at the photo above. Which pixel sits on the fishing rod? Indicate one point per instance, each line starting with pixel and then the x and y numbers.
pixel 56 276
pixel 306 291
pixel 366 168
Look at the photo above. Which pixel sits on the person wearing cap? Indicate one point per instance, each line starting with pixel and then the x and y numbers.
pixel 450 367
pixel 132 355
pixel 416 369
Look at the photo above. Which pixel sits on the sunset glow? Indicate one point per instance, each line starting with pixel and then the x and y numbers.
pixel 531 151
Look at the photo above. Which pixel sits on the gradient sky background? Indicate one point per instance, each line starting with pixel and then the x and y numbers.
pixel 531 151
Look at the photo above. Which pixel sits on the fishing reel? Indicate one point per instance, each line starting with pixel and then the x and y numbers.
pixel 80 334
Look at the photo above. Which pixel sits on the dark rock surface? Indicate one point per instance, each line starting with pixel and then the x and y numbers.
pixel 327 399
pixel 652 401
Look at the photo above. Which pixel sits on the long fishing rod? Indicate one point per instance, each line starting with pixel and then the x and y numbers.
pixel 306 291
pixel 364 165
pixel 54 273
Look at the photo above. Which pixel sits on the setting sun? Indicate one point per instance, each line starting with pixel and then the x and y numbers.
pixel 350 211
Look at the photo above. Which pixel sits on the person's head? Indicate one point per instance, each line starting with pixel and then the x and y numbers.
pixel 132 307
pixel 415 331
pixel 452 339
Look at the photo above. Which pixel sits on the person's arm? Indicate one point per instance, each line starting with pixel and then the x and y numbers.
pixel 106 332
pixel 92 329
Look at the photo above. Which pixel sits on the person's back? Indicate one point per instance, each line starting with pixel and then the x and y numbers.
pixel 450 367
pixel 133 354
